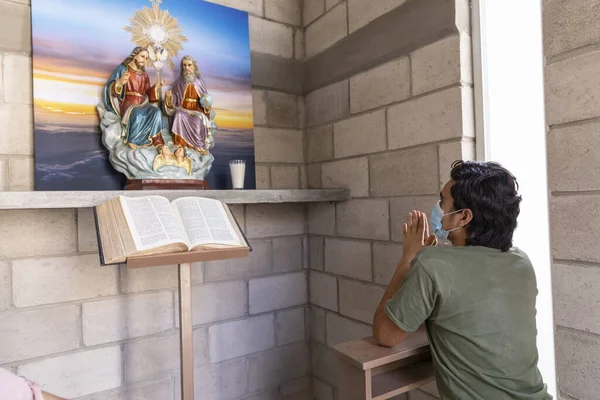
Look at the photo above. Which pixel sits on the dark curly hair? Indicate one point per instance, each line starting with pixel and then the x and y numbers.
pixel 490 191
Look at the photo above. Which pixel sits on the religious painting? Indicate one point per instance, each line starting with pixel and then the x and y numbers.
pixel 139 90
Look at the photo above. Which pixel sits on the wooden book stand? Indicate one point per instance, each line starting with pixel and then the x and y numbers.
pixel 184 261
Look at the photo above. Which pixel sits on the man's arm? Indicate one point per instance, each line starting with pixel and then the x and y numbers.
pixel 385 331
pixel 416 236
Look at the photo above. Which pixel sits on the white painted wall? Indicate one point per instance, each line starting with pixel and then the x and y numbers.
pixel 511 129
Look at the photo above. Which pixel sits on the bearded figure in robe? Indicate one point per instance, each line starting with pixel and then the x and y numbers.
pixel 190 105
pixel 129 95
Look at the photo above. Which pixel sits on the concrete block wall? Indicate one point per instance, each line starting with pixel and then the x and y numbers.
pixel 85 331
pixel 571 39
pixel 89 332
pixel 388 132
pixel 276 31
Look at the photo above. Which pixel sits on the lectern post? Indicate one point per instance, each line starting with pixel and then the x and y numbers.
pixel 186 334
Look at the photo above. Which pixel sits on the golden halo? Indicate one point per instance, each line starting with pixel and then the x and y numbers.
pixel 155 27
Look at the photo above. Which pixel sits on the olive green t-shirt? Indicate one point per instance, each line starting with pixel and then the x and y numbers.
pixel 478 306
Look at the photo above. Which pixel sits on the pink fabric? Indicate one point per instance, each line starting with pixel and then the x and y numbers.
pixel 13 387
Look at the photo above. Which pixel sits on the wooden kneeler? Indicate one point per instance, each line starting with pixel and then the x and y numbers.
pixel 368 371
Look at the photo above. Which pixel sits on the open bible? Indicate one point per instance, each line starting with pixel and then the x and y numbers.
pixel 150 225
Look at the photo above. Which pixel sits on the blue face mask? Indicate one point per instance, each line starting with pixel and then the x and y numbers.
pixel 437 214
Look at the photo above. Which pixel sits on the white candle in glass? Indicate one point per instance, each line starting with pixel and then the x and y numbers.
pixel 238 172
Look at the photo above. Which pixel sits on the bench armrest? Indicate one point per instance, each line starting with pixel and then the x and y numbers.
pixel 367 354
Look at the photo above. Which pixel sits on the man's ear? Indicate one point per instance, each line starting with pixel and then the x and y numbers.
pixel 466 216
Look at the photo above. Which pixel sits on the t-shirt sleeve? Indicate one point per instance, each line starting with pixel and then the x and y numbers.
pixel 414 301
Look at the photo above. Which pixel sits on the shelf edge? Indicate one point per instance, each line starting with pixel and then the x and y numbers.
pixel 86 199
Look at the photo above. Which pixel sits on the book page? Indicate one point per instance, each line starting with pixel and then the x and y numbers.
pixel 205 221
pixel 152 222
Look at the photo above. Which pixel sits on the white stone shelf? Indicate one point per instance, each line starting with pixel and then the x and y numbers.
pixel 85 199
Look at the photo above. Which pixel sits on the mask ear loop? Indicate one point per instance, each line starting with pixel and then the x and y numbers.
pixel 450 213
pixel 454 212
pixel 439 204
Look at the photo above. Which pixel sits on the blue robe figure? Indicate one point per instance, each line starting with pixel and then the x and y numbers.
pixel 129 95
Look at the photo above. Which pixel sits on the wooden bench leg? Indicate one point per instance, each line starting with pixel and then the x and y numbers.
pixel 353 383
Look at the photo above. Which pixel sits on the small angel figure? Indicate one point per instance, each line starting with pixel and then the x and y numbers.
pixel 166 157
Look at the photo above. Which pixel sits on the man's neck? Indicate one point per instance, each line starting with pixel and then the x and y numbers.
pixel 457 239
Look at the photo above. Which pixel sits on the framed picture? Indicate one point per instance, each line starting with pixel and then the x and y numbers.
pixel 78 46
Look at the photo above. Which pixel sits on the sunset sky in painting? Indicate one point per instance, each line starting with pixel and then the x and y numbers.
pixel 77 44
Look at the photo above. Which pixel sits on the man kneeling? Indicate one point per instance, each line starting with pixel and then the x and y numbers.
pixel 476 297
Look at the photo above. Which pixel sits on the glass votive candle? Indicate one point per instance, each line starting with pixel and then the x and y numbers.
pixel 238 173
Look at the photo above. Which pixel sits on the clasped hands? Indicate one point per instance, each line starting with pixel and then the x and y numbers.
pixel 416 234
